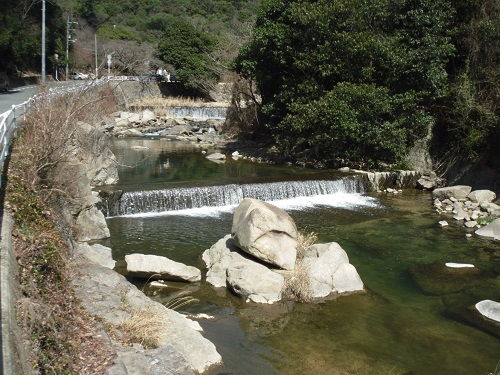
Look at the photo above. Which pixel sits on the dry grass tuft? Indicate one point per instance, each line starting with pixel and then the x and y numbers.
pixel 145 326
pixel 303 242
pixel 297 285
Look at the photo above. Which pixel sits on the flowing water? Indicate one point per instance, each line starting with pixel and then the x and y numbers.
pixel 410 320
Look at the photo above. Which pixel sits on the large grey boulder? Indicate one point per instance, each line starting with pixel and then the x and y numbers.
pixel 221 256
pixel 97 253
pixel 457 191
pixel 266 232
pixel 147 115
pixel 165 361
pixel 327 266
pixel 91 225
pixel 111 297
pixel 155 267
pixel 481 196
pixel 255 282
pixel 95 154
pixel 491 230
pixel 230 267
pixel 489 309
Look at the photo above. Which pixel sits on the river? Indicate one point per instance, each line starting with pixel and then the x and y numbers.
pixel 412 318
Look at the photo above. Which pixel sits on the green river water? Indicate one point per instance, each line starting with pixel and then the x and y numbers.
pixel 414 318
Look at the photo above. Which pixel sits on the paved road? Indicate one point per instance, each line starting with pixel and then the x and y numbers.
pixel 16 96
pixel 20 94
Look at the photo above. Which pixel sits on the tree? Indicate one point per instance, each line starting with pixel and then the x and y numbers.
pixel 189 52
pixel 308 55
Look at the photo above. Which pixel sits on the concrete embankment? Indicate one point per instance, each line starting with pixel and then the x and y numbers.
pixel 13 355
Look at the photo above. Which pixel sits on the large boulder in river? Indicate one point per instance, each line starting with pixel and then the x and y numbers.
pixel 229 266
pixel 155 267
pixel 329 270
pixel 492 230
pixel 266 232
pixel 481 196
pixel 457 191
pixel 255 282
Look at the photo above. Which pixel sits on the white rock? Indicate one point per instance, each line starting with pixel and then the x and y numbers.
pixel 470 224
pixel 157 267
pixel 482 196
pixel 266 232
pixel 459 265
pixel 443 223
pixel 489 309
pixel 492 230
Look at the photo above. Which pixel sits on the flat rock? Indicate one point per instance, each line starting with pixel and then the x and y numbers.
pixel 457 191
pixel 489 309
pixel 155 267
pixel 480 196
pixel 491 230
pixel 97 254
pixel 459 265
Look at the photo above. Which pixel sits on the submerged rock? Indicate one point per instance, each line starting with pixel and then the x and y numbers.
pixel 440 279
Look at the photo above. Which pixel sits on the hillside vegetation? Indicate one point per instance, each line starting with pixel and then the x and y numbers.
pixel 358 82
pixel 345 82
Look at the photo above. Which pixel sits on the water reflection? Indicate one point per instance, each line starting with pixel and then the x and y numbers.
pixel 411 320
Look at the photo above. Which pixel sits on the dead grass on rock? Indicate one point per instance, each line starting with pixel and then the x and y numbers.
pixel 297 284
pixel 145 326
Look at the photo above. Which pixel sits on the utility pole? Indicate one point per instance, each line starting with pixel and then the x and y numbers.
pixel 96 72
pixel 68 41
pixel 43 45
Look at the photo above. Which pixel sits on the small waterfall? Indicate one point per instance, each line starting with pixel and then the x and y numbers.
pixel 227 195
pixel 198 112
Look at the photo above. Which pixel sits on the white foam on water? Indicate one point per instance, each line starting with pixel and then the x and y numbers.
pixel 350 201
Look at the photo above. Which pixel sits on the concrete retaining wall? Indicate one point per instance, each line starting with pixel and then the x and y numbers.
pixel 13 351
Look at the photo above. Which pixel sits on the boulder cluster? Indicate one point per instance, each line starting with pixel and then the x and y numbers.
pixel 263 261
pixel 474 208
pixel 146 122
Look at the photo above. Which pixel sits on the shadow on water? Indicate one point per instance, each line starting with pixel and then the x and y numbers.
pixel 412 318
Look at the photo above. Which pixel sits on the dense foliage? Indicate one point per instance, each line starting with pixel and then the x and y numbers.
pixel 361 80
pixel 188 51
pixel 20 34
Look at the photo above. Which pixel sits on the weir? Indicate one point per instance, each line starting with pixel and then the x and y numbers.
pixel 153 201
pixel 198 112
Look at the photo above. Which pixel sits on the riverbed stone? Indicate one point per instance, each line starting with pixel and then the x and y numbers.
pixel 266 232
pixel 109 295
pixel 322 263
pixel 439 279
pixel 97 253
pixel 165 360
pixel 457 191
pixel 489 309
pixel 91 225
pixel 491 230
pixel 481 196
pixel 154 267
pixel 216 156
pixel 255 282
pixel 222 255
